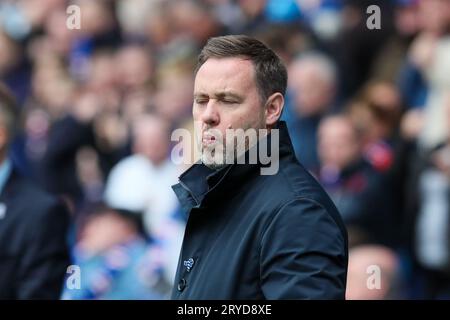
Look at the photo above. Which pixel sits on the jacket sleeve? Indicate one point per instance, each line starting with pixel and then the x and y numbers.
pixel 303 254
pixel 43 265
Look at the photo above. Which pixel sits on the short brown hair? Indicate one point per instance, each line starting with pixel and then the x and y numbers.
pixel 271 74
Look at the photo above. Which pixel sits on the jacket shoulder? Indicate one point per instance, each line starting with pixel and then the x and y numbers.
pixel 293 184
pixel 26 194
pixel 310 250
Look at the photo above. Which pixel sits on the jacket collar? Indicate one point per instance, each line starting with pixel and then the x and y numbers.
pixel 199 185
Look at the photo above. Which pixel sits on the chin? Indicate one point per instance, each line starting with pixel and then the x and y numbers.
pixel 211 164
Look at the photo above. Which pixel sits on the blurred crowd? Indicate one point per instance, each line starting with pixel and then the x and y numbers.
pixel 368 112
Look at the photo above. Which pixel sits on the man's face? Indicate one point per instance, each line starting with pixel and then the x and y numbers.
pixel 313 91
pixel 150 138
pixel 338 144
pixel 225 97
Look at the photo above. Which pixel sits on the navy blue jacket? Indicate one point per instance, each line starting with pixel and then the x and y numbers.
pixel 34 255
pixel 253 236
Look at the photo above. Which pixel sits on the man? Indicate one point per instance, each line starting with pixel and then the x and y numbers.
pixel 363 260
pixel 33 225
pixel 249 235
pixel 112 249
pixel 428 216
pixel 141 183
pixel 354 185
pixel 313 85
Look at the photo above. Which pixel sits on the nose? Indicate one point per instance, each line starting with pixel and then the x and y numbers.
pixel 210 114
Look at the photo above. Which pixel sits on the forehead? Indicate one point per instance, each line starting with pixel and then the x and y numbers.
pixel 149 124
pixel 226 74
pixel 334 128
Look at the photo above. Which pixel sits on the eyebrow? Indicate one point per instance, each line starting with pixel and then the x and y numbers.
pixel 220 95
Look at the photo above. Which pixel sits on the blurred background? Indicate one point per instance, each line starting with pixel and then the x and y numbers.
pixel 368 112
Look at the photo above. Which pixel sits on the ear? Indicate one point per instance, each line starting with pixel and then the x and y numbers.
pixel 274 107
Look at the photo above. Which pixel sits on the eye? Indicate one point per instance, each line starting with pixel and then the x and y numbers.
pixel 201 101
pixel 228 101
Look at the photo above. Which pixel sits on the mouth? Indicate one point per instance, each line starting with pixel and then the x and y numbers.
pixel 208 139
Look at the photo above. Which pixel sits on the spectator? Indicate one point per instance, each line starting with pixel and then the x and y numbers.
pixel 33 226
pixel 142 183
pixel 14 68
pixel 353 184
pixel 312 83
pixel 429 215
pixel 115 259
pixel 377 117
pixel 374 274
pixel 85 126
